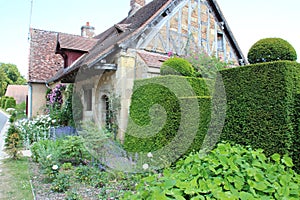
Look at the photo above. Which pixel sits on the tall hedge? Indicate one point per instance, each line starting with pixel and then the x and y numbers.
pixel 3 101
pixel 10 103
pixel 168 110
pixel 261 101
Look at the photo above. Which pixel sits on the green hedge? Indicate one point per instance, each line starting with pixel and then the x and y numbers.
pixel 10 103
pixel 3 100
pixel 177 66
pixel 260 106
pixel 185 124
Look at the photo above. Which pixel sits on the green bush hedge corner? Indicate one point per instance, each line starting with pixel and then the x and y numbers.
pixel 177 66
pixel 271 49
pixel 10 103
pixel 260 106
pixel 169 93
pixel 3 100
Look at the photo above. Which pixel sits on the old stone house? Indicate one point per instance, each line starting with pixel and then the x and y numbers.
pixel 134 48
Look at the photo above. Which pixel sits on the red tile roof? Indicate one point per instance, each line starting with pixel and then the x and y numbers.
pixel 76 42
pixel 152 59
pixel 18 92
pixel 43 62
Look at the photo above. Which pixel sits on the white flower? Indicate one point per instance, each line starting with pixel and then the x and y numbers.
pixel 54 167
pixel 149 155
pixel 145 166
pixel 49 156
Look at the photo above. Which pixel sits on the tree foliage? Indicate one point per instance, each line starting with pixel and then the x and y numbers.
pixel 9 74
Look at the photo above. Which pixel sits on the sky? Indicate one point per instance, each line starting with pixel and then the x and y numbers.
pixel 249 20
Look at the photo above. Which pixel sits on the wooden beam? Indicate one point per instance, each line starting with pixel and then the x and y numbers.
pixel 199 25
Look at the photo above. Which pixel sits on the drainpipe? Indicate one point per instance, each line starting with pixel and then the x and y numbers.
pixel 29 101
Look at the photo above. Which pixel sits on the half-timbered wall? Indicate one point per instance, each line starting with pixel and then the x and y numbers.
pixel 191 25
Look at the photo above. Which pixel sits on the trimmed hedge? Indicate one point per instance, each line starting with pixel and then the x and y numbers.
pixel 271 49
pixel 173 100
pixel 177 66
pixel 260 106
pixel 10 103
pixel 3 100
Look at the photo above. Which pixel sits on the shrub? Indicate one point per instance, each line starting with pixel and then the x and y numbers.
pixel 271 49
pixel 181 102
pixel 10 103
pixel 227 172
pixel 73 149
pixel 3 101
pixel 260 106
pixel 61 183
pixel 177 66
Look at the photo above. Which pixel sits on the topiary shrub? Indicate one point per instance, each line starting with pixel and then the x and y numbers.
pixel 271 49
pixel 177 66
pixel 263 107
pixel 3 100
pixel 10 103
pixel 150 129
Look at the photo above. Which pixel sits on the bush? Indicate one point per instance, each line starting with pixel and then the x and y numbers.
pixel 227 172
pixel 10 103
pixel 271 49
pixel 61 183
pixel 260 106
pixel 182 103
pixel 177 66
pixel 3 101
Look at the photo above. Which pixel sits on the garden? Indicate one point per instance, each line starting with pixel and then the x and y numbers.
pixel 254 155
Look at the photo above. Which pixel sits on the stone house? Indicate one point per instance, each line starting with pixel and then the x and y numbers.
pixel 134 48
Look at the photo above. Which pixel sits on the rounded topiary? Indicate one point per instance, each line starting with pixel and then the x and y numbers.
pixel 177 66
pixel 271 49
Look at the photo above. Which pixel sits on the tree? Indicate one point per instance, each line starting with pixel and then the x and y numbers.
pixel 3 82
pixel 9 74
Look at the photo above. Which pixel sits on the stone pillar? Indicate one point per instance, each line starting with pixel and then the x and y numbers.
pixel 125 80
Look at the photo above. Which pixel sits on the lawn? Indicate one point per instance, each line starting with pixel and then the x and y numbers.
pixel 15 180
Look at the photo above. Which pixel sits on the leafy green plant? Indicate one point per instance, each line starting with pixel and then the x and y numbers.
pixel 61 183
pixel 227 172
pixel 73 195
pixel 84 173
pixel 67 166
pixel 271 49
pixel 13 146
pixel 177 66
pixel 73 149
pixel 206 66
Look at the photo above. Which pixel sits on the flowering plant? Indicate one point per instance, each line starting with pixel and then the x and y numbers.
pixel 55 96
pixel 36 129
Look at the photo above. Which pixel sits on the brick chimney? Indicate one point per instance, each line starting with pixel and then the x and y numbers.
pixel 135 5
pixel 87 30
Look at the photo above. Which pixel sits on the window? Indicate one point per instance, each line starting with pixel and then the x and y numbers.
pixel 107 115
pixel 88 99
pixel 220 42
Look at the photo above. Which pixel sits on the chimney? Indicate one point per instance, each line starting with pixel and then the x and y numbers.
pixel 135 5
pixel 87 30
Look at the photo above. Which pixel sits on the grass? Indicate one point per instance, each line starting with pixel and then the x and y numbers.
pixel 15 180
